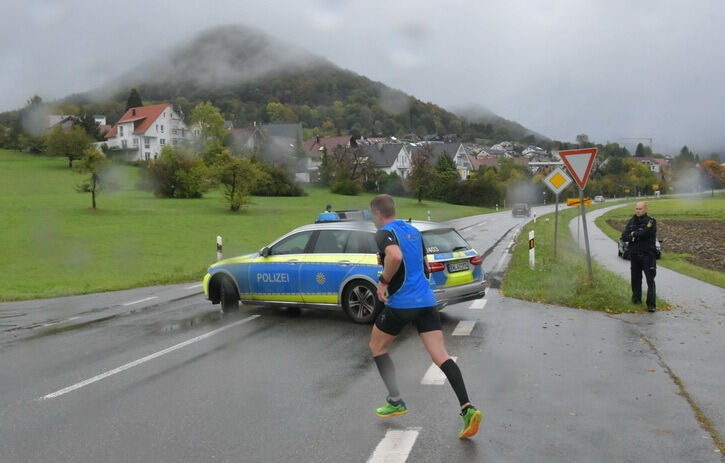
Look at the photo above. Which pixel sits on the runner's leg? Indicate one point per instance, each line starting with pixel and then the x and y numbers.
pixel 436 347
pixel 380 342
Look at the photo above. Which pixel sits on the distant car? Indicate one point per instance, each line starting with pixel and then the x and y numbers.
pixel 599 199
pixel 335 265
pixel 623 251
pixel 521 210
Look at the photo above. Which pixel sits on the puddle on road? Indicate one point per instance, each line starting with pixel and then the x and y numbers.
pixel 197 320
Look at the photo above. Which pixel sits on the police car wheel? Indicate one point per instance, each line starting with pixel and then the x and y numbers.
pixel 360 303
pixel 228 296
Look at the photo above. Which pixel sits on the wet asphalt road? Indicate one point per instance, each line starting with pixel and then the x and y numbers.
pixel 555 384
pixel 690 339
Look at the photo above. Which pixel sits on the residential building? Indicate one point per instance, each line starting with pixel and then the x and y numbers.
pixel 142 132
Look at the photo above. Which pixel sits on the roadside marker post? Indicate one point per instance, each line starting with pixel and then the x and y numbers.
pixel 532 250
pixel 579 164
pixel 218 248
pixel 557 181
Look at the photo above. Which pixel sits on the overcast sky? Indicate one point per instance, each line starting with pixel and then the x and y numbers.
pixel 608 68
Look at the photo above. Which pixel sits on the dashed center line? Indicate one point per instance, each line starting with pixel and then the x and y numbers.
pixel 140 300
pixel 434 375
pixel 464 328
pixel 145 359
pixel 478 304
pixel 395 446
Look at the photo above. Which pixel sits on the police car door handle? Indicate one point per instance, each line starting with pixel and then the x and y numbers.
pixel 344 262
pixel 293 261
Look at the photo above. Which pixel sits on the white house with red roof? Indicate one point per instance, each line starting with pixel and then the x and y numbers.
pixel 142 132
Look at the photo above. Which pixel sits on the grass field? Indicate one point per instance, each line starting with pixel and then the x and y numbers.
pixel 700 208
pixel 565 280
pixel 54 244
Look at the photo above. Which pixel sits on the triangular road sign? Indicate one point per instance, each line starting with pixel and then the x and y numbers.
pixel 579 163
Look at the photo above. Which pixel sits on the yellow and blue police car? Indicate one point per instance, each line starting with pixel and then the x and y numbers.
pixel 335 265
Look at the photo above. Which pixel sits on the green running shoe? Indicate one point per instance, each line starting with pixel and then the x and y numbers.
pixel 391 409
pixel 471 420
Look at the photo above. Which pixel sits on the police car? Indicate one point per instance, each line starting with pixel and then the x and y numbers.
pixel 335 265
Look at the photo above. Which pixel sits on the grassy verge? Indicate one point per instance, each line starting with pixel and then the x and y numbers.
pixel 564 280
pixel 704 208
pixel 54 244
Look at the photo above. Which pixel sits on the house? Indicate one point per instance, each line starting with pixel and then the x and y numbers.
pixel 456 151
pixel 314 147
pixel 276 143
pixel 143 131
pixel 390 158
pixel 656 165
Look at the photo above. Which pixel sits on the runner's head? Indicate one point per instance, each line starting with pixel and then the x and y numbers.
pixel 382 208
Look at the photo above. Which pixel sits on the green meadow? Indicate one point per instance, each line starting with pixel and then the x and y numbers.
pixel 54 244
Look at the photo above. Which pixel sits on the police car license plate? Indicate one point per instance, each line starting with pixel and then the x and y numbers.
pixel 457 267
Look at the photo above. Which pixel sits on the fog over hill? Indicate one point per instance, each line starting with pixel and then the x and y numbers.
pixel 241 69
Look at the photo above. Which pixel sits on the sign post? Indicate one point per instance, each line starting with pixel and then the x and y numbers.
pixel 579 164
pixel 557 181
pixel 532 250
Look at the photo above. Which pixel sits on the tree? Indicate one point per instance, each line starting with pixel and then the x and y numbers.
pixel 237 175
pixel 714 174
pixel 419 179
pixel 445 174
pixel 210 121
pixel 33 102
pixel 639 151
pixel 133 100
pixel 583 140
pixel 279 113
pixel 70 143
pixel 92 162
pixel 88 123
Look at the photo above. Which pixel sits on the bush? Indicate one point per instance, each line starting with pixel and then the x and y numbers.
pixel 177 174
pixel 274 181
pixel 391 184
pixel 345 187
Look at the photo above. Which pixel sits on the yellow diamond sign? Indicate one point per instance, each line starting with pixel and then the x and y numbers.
pixel 557 180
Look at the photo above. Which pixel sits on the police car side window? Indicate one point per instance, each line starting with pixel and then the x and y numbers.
pixel 331 241
pixel 294 244
pixel 361 243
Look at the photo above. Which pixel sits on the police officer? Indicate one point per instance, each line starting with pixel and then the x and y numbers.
pixel 641 233
pixel 327 215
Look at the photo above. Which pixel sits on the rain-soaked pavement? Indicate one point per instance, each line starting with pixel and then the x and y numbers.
pixel 169 379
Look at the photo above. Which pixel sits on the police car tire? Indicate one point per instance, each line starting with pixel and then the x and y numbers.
pixel 346 301
pixel 228 297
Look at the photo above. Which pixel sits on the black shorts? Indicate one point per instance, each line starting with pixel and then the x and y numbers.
pixel 392 321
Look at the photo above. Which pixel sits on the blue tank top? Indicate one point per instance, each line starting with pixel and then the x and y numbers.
pixel 415 292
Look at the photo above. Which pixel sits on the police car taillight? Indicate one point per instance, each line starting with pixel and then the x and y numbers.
pixel 476 260
pixel 436 267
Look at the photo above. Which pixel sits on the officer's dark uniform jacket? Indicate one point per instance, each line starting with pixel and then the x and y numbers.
pixel 641 233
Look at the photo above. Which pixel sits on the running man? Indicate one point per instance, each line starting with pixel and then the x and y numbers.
pixel 409 299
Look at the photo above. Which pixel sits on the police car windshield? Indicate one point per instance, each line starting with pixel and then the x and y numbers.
pixel 443 240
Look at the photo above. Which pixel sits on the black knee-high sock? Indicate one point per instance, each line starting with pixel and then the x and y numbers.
pixel 453 373
pixel 387 372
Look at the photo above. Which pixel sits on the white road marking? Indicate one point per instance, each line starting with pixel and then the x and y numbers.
pixel 395 446
pixel 145 359
pixel 140 300
pixel 464 328
pixel 501 262
pixel 478 304
pixel 199 285
pixel 434 375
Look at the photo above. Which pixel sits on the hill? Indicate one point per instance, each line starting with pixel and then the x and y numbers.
pixel 253 77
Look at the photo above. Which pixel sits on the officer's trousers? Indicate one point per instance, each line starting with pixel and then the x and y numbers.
pixel 646 263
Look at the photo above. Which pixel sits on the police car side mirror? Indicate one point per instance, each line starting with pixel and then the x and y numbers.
pixel 264 252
